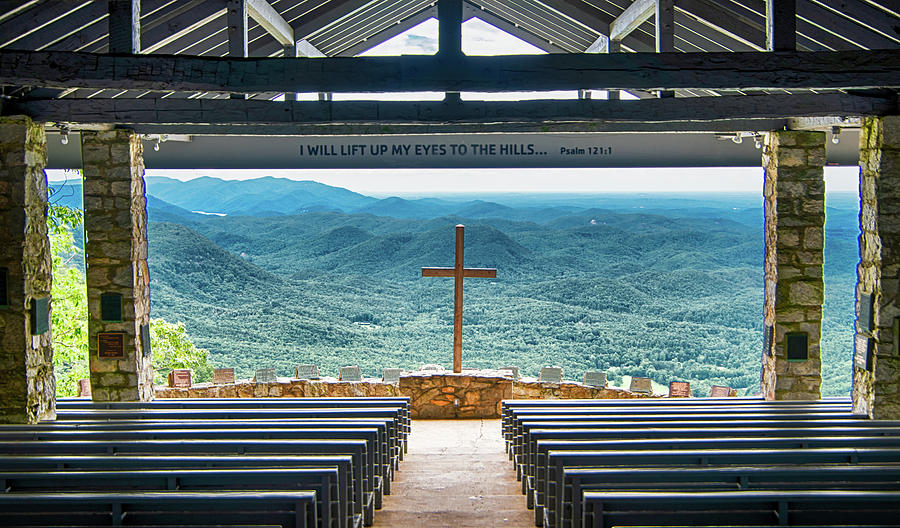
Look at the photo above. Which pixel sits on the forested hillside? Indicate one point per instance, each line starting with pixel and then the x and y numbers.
pixel 676 294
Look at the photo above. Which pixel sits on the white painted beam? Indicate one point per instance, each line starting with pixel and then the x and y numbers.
pixel 304 48
pixel 266 16
pixel 601 45
pixel 636 14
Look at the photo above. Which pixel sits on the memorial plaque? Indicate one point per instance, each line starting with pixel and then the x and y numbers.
pixel 223 376
pixel 797 346
pixel 595 378
pixel 307 372
pixel 351 373
pixel 40 315
pixel 111 307
pixel 768 337
pixel 514 370
pixel 551 374
pixel 4 288
pixel 641 385
pixel 862 351
pixel 266 375
pixel 720 391
pixel 180 378
pixel 391 375
pixel 679 389
pixel 111 345
pixel 866 321
pixel 84 388
pixel 145 340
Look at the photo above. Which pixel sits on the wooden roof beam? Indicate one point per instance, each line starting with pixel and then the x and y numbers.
pixel 388 33
pixel 230 112
pixel 266 16
pixel 324 15
pixel 712 15
pixel 570 71
pixel 635 15
pixel 472 11
pixel 191 15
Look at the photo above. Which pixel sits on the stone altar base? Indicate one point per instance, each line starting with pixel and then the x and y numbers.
pixel 432 394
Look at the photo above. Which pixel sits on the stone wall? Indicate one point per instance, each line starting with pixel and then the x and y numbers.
pixel 876 379
pixel 115 221
pixel 442 395
pixel 27 384
pixel 794 192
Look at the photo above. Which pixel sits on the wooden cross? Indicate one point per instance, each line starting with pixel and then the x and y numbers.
pixel 458 272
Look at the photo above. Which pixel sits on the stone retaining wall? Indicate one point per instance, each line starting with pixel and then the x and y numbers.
pixel 432 395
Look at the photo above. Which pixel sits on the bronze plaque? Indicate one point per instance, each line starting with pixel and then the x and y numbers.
pixel 180 378
pixel 223 376
pixel 862 352
pixel 679 389
pixel 719 391
pixel 111 345
pixel 642 385
pixel 866 321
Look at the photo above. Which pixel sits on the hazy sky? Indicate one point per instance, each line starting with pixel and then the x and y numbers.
pixel 480 38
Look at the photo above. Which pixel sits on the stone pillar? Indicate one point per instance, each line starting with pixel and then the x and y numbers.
pixel 27 385
pixel 794 288
pixel 876 364
pixel 118 280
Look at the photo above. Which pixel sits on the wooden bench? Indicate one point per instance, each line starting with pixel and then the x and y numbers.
pixel 586 414
pixel 692 431
pixel 295 509
pixel 519 443
pixel 561 461
pixel 376 459
pixel 54 463
pixel 362 473
pixel 546 477
pixel 606 509
pixel 323 481
pixel 724 478
pixel 401 404
pixel 510 408
pixel 392 442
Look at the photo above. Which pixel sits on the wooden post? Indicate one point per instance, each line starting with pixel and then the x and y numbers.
pixel 237 33
pixel 665 33
pixel 781 25
pixel 458 299
pixel 124 26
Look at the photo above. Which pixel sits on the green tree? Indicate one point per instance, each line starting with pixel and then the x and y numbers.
pixel 173 349
pixel 69 315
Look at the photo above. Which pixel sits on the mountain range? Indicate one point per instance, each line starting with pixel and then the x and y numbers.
pixel 664 286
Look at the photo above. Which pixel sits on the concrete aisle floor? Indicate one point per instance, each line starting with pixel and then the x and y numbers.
pixel 455 474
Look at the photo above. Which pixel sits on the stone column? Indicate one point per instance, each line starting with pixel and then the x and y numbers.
pixel 118 280
pixel 794 288
pixel 27 385
pixel 876 364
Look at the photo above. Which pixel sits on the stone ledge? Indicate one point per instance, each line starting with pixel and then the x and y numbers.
pixel 438 395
